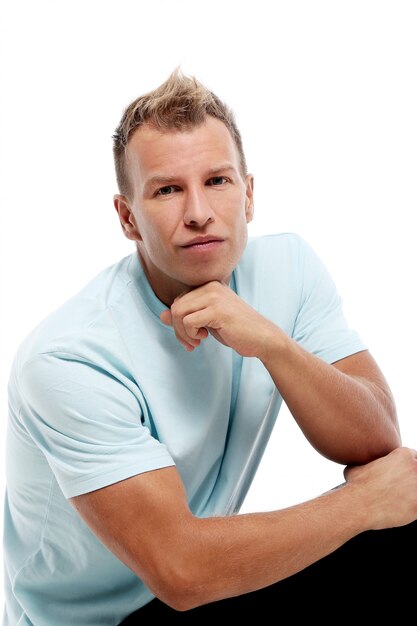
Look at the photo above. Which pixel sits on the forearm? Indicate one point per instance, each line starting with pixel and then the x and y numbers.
pixel 347 419
pixel 235 555
pixel 186 561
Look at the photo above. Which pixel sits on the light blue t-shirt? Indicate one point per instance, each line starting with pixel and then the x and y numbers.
pixel 101 390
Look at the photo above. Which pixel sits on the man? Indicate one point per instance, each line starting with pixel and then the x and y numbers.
pixel 140 409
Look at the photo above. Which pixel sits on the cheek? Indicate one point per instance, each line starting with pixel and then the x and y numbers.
pixel 241 228
pixel 157 235
pixel 151 227
pixel 242 235
pixel 235 217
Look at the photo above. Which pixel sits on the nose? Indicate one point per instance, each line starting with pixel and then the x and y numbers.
pixel 197 210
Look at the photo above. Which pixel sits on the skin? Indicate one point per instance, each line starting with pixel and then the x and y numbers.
pixel 346 410
pixel 199 196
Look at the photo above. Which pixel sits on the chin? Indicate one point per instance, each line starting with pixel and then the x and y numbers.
pixel 207 277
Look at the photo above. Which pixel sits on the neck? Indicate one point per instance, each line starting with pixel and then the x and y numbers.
pixel 165 291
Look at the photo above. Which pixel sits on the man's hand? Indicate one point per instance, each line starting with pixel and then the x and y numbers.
pixel 388 485
pixel 214 308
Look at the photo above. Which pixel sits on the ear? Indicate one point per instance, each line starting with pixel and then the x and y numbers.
pixel 126 217
pixel 249 207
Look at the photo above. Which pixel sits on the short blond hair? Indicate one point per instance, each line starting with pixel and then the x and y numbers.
pixel 180 103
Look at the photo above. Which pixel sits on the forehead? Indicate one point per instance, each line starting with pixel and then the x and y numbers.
pixel 151 151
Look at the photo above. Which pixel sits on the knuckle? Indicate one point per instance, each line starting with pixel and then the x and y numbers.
pixel 176 310
pixel 213 287
pixel 187 324
pixel 178 336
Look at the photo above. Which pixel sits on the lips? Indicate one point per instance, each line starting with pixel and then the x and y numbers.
pixel 199 241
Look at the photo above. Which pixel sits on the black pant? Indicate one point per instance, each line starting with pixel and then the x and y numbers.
pixel 372 576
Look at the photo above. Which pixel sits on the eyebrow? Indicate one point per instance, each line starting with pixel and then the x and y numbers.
pixel 161 179
pixel 158 180
pixel 221 168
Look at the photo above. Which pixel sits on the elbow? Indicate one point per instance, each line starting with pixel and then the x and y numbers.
pixel 380 446
pixel 384 437
pixel 387 442
pixel 180 577
pixel 180 591
pixel 180 572
pixel 390 436
pixel 179 602
pixel 394 442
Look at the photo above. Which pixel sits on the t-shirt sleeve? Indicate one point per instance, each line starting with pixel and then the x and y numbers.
pixel 87 423
pixel 321 326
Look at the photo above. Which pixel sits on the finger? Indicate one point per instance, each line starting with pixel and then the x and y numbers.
pixel 202 333
pixel 177 322
pixel 197 298
pixel 350 471
pixel 188 341
pixel 166 317
pixel 186 346
pixel 182 294
pixel 182 335
pixel 195 325
pixel 194 302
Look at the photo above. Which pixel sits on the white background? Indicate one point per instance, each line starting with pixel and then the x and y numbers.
pixel 325 96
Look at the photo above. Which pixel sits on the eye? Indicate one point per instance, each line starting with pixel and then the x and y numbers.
pixel 165 191
pixel 217 181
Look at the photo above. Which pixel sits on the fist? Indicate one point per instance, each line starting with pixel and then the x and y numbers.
pixel 214 308
pixel 389 488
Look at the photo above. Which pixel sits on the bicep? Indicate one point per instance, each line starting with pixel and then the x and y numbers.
pixel 143 521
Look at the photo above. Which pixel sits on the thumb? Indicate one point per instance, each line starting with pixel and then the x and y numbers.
pixel 166 317
pixel 350 471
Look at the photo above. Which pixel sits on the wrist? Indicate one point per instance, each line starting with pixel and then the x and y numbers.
pixel 274 346
pixel 355 501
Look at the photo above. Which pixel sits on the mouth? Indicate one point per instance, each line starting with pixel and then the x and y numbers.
pixel 203 243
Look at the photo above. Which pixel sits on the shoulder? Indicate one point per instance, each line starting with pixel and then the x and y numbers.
pixel 279 252
pixel 275 244
pixel 79 322
pixel 272 265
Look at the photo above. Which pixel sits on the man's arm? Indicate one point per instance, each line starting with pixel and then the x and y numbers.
pixel 346 410
pixel 186 562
